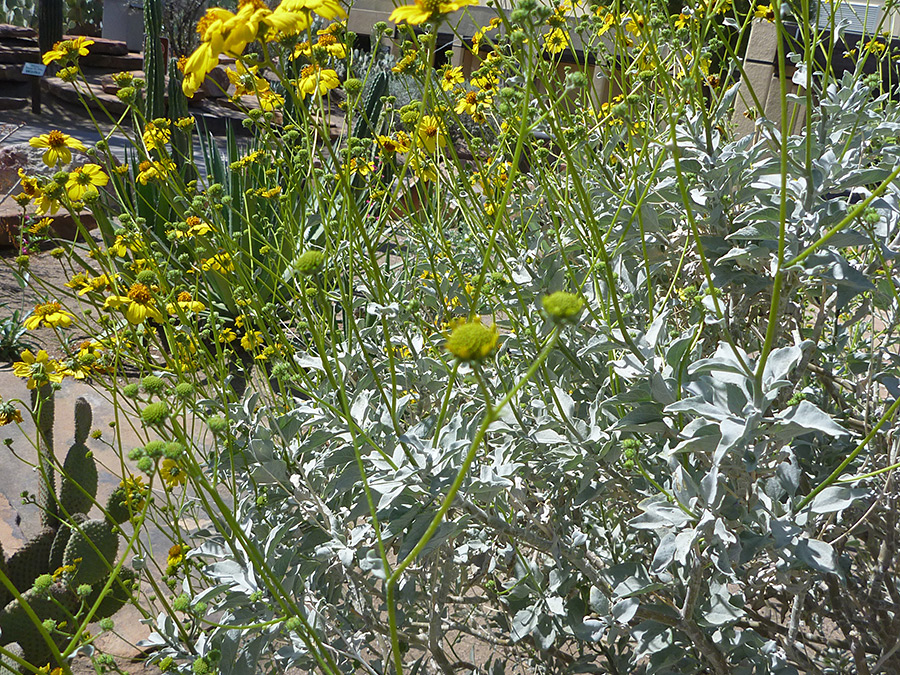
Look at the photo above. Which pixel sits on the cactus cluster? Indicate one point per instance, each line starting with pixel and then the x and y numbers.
pixel 51 571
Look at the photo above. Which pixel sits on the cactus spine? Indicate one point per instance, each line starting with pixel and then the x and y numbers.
pixel 154 67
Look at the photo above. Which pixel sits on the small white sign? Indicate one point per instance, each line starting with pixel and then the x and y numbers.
pixel 37 69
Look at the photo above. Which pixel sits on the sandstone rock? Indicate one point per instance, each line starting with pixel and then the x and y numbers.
pixel 19 54
pixel 13 103
pixel 12 72
pixel 63 224
pixel 10 31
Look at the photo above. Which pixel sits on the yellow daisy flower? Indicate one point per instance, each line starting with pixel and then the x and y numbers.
pixel 451 76
pixel 172 473
pixel 430 134
pixel 186 303
pixel 67 50
pixel 422 10
pixel 9 414
pixel 139 305
pixel 316 81
pixel 49 314
pixel 58 145
pixel 85 180
pixel 40 369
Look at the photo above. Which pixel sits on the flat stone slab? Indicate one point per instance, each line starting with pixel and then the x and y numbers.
pixel 10 31
pixel 69 92
pixel 111 62
pixel 12 72
pixel 63 224
pixel 19 54
pixel 13 103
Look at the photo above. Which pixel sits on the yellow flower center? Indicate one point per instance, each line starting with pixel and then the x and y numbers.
pixel 56 139
pixel 309 71
pixel 327 40
pixel 471 98
pixel 139 294
pixel 432 6
pixel 47 308
pixel 191 221
pixel 430 130
pixel 204 23
pixel 81 177
pixel 184 296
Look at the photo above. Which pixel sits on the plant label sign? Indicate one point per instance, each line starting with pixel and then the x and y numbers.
pixel 36 69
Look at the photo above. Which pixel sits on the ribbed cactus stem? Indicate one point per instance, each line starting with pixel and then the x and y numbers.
pixel 50 23
pixel 43 405
pixel 366 124
pixel 154 67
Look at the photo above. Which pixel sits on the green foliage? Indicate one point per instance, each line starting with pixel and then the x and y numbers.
pixel 19 12
pixel 12 337
pixel 589 380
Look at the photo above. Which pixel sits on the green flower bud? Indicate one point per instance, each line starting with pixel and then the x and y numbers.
pixel 309 263
pixel 472 341
pixel 562 307
pixel 185 391
pixel 153 384
pixel 43 582
pixel 155 413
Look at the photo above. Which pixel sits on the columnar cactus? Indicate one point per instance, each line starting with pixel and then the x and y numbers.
pixel 50 23
pixel 367 124
pixel 70 550
pixel 154 65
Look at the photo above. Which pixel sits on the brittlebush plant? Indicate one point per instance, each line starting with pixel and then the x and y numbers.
pixel 530 366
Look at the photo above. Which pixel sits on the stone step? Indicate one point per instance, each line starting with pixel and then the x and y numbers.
pixel 11 72
pixel 66 91
pixel 62 223
pixel 113 63
pixel 19 42
pixel 104 46
pixel 13 103
pixel 15 89
pixel 10 31
pixel 20 54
